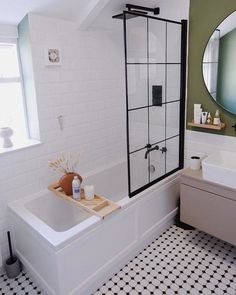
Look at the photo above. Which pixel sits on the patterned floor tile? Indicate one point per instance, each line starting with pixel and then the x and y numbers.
pixel 178 262
pixel 21 285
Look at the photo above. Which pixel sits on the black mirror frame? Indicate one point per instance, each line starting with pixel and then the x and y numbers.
pixel 218 104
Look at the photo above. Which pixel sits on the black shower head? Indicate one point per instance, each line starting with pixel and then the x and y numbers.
pixel 138 10
pixel 129 15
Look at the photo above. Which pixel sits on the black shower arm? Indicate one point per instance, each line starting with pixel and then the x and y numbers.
pixel 154 10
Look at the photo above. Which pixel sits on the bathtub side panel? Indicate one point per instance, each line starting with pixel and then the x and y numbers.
pixel 38 259
pixel 82 265
pixel 86 256
pixel 156 206
pixel 89 260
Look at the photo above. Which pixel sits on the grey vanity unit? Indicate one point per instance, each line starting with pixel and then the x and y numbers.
pixel 208 206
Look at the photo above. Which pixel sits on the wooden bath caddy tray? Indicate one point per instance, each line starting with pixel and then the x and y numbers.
pixel 99 205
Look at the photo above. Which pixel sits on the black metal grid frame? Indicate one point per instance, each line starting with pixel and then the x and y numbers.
pixel 182 64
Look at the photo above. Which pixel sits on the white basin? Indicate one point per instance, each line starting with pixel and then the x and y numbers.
pixel 220 168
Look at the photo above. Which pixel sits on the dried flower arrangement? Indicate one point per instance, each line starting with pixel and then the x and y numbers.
pixel 66 165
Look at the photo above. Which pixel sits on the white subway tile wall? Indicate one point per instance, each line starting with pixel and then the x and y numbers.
pixel 203 144
pixel 88 90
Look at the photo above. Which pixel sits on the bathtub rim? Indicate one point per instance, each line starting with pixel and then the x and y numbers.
pixel 161 184
pixel 53 238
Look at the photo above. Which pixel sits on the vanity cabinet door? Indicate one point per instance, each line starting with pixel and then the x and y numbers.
pixel 208 212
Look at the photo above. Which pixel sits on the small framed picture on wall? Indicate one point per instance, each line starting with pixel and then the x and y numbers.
pixel 52 56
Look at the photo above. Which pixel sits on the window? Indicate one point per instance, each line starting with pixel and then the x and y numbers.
pixel 12 103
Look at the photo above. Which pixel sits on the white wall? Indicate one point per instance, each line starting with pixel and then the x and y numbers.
pixel 88 90
pixel 174 10
pixel 203 144
pixel 8 31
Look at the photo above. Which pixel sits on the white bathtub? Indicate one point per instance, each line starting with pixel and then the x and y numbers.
pixel 69 251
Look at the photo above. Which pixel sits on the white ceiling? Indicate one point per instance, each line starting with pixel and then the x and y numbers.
pixel 12 11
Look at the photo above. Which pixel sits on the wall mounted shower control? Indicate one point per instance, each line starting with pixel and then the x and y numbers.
pixel 163 150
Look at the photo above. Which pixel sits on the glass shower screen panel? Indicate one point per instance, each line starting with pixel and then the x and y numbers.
pixel 156 41
pixel 136 40
pixel 154 63
pixel 138 129
pixel 157 166
pixel 137 85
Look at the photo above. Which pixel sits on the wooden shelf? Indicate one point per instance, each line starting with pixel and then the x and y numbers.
pixel 207 126
pixel 99 206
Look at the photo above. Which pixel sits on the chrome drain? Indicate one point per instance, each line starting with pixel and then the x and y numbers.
pixel 151 168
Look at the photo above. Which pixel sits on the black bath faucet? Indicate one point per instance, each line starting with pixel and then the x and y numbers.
pixel 149 149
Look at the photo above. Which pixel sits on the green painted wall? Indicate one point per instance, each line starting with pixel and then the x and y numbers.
pixel 204 17
pixel 226 91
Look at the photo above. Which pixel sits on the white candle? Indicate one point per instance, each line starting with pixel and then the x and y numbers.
pixel 89 192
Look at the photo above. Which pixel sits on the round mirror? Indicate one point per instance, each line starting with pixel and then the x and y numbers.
pixel 219 64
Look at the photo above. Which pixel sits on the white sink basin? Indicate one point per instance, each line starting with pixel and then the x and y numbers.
pixel 220 167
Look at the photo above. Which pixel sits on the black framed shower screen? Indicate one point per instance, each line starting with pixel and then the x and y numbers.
pixel 155 73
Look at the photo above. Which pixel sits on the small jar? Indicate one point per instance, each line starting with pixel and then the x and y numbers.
pixel 195 163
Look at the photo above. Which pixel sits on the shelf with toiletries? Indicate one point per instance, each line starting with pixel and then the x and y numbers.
pixel 203 119
pixel 207 126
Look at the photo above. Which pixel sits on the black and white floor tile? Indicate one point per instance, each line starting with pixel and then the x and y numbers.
pixel 178 262
pixel 21 285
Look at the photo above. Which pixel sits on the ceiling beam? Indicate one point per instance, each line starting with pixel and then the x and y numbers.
pixel 89 13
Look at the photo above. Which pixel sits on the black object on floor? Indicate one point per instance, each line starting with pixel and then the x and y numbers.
pixel 12 264
pixel 184 226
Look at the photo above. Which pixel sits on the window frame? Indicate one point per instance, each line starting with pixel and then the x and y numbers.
pixel 20 80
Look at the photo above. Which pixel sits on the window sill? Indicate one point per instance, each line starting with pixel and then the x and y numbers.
pixel 20 146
